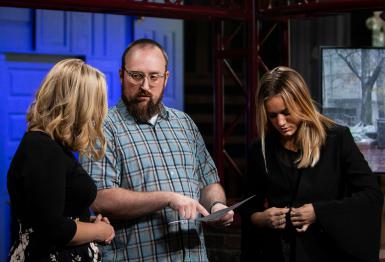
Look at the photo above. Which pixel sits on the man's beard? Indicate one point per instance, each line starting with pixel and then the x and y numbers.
pixel 142 114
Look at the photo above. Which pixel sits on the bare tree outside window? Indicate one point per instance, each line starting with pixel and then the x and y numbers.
pixel 353 89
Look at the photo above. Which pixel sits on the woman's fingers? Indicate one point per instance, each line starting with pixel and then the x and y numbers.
pixel 302 217
pixel 303 228
pixel 98 218
pixel 105 219
pixel 277 217
pixel 281 222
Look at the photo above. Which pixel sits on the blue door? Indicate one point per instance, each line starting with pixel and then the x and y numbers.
pixel 31 41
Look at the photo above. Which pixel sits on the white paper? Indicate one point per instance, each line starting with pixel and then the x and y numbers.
pixel 220 213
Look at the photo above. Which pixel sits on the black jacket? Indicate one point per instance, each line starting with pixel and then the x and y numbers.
pixel 345 195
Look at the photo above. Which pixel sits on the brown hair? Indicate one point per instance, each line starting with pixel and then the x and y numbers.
pixel 143 42
pixel 290 86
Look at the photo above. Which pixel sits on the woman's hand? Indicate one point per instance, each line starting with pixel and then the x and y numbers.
pixel 105 230
pixel 302 217
pixel 272 217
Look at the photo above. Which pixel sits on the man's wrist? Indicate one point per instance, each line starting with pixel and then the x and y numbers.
pixel 214 203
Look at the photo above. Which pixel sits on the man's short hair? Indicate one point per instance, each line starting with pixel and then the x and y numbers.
pixel 144 42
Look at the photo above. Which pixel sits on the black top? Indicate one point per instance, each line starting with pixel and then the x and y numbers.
pixel 48 189
pixel 346 198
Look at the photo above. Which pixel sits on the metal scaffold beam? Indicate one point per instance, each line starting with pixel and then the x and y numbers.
pixel 245 79
pixel 312 8
pixel 138 8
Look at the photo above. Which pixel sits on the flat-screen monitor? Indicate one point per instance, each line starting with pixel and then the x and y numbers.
pixel 353 94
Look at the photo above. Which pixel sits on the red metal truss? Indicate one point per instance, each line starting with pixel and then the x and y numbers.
pixel 246 80
pixel 170 9
pixel 311 8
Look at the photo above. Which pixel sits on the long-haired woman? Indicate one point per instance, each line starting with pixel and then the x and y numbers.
pixel 316 197
pixel 50 193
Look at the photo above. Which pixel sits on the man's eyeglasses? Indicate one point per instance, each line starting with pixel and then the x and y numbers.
pixel 137 77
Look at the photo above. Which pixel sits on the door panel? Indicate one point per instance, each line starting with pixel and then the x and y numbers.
pixel 24 78
pixel 15 28
pixel 52 31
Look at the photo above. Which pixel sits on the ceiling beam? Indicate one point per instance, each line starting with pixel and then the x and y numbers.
pixel 137 8
pixel 318 8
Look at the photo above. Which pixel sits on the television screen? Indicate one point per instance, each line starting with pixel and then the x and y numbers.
pixel 353 94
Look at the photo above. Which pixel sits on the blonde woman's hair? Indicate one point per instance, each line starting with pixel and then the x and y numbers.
pixel 70 106
pixel 311 133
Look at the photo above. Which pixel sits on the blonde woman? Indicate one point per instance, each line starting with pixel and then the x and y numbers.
pixel 316 198
pixel 50 192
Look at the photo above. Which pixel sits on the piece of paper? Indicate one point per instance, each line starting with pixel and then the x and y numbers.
pixel 220 213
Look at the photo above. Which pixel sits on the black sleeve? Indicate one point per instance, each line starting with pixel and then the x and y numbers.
pixel 45 181
pixel 354 222
pixel 253 184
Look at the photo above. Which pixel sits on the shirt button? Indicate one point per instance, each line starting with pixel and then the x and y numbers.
pixel 172 172
pixel 164 149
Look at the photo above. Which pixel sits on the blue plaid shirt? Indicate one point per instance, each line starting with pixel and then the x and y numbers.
pixel 167 156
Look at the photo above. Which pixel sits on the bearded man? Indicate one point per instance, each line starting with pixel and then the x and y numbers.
pixel 157 176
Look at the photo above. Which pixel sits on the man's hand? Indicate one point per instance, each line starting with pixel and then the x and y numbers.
pixel 226 220
pixel 186 206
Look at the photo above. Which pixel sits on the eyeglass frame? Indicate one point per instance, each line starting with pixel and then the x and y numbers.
pixel 160 75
